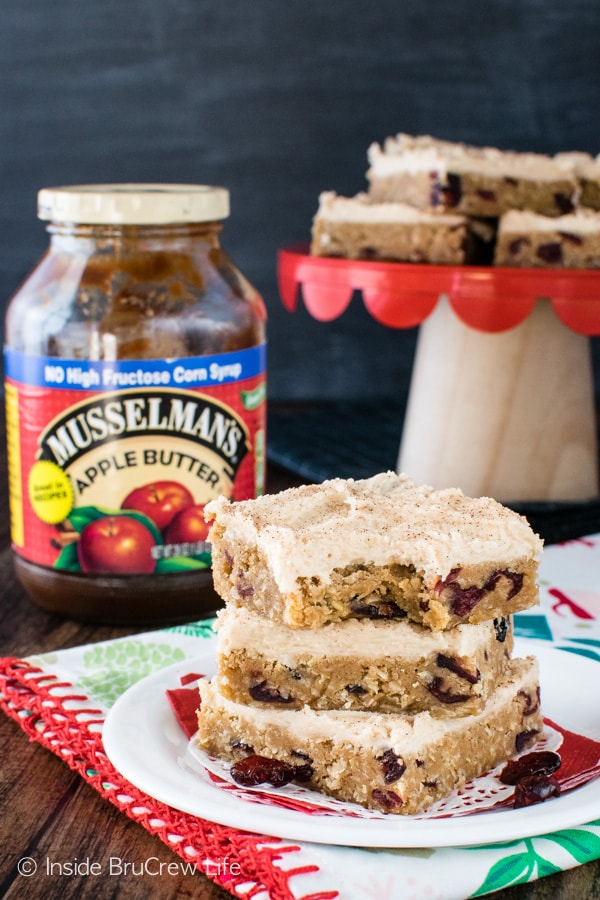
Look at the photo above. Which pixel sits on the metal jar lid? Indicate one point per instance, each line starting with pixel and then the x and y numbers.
pixel 133 204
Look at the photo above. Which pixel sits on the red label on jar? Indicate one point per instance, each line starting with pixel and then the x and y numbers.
pixel 112 463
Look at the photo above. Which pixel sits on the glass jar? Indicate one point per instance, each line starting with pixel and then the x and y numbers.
pixel 135 392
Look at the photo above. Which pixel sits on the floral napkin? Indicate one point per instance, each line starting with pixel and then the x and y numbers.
pixel 61 699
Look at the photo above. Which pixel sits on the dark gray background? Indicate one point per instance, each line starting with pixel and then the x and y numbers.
pixel 279 100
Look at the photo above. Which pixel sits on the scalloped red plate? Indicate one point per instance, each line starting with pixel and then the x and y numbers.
pixel 402 295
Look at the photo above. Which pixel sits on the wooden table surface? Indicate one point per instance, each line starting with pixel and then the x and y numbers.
pixel 50 815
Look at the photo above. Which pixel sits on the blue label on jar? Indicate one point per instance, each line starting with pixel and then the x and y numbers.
pixel 103 375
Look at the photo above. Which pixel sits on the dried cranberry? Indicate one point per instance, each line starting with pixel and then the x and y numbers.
pixel 241 747
pixel 435 190
pixel 515 246
pixel 304 771
pixel 393 767
pixel 501 626
pixel 389 610
pixel 550 252
pixel 535 789
pixel 368 253
pixel 302 755
pixel 564 202
pixel 531 705
pixel 387 800
pixel 571 238
pixel 516 579
pixel 464 600
pixel 542 762
pixel 356 689
pixel 261 770
pixel 266 694
pixel 524 738
pixel 452 191
pixel 444 582
pixel 244 590
pixel 486 194
pixel 517 582
pixel 436 687
pixel 454 665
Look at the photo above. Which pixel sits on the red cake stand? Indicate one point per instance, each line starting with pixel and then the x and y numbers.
pixel 501 399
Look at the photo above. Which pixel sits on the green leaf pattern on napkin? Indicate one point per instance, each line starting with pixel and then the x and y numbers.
pixel 583 647
pixel 529 863
pixel 115 667
pixel 204 629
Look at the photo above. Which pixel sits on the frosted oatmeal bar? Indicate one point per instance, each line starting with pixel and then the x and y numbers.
pixel 378 548
pixel 586 170
pixel 566 242
pixel 589 179
pixel 391 666
pixel 354 228
pixel 429 173
pixel 395 763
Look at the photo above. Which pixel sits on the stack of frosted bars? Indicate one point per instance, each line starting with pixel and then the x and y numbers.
pixel 367 638
pixel 444 202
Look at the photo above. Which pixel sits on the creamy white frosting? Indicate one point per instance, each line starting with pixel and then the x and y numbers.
pixel 581 222
pixel 579 163
pixel 375 730
pixel 307 532
pixel 241 629
pixel 414 155
pixel 359 209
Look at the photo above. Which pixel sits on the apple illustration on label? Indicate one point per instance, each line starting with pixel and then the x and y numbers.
pixel 159 500
pixel 119 545
pixel 188 525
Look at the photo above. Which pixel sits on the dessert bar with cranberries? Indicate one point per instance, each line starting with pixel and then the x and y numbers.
pixel 395 763
pixel 383 666
pixel 381 548
pixel 566 242
pixel 355 228
pixel 430 173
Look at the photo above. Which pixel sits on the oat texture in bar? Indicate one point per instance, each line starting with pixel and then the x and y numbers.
pixel 355 228
pixel 385 666
pixel 376 548
pixel 394 763
pixel 430 173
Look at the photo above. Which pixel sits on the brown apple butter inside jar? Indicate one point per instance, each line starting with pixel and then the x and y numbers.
pixel 135 392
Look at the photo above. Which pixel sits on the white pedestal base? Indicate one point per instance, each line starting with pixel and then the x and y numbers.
pixel 509 415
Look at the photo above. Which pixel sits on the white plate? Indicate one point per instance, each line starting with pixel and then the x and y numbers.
pixel 144 741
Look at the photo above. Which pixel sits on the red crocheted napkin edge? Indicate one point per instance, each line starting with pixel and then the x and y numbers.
pixel 35 699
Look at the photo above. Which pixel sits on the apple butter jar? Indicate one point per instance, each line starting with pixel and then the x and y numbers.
pixel 135 360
